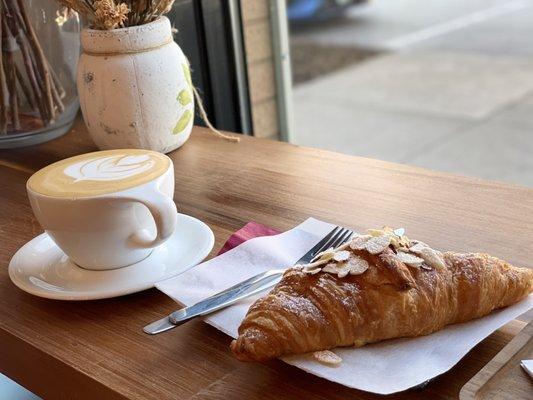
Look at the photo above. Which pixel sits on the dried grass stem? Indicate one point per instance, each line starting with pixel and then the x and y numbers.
pixel 112 14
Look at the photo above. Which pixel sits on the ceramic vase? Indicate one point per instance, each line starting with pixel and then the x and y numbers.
pixel 135 89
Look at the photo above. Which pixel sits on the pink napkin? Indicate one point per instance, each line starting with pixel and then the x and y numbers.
pixel 249 231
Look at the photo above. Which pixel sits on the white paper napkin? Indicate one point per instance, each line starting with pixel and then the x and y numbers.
pixel 528 366
pixel 387 367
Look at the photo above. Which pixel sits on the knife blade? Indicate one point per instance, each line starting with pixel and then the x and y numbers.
pixel 216 302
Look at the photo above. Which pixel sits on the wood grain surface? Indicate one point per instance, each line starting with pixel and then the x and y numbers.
pixel 97 350
pixel 503 377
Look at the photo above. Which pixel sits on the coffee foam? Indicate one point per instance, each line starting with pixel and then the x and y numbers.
pixel 99 173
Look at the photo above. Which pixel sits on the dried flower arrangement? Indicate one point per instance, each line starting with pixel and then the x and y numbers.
pixel 112 14
pixel 36 81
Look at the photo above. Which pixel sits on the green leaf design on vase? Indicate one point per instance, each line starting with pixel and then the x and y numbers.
pixel 187 73
pixel 185 97
pixel 182 122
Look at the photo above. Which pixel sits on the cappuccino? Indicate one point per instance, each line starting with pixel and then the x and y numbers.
pixel 99 173
pixel 106 209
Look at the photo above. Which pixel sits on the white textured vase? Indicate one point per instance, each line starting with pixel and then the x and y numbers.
pixel 135 88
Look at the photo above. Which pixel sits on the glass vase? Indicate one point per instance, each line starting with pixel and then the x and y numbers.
pixel 40 51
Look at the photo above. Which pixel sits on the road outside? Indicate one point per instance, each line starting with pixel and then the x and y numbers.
pixel 443 84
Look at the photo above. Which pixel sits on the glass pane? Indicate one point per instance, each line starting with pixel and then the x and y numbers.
pixel 442 84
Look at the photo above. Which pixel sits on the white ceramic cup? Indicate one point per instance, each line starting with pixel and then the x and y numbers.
pixel 110 230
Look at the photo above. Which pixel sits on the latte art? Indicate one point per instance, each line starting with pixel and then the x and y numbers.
pixel 98 173
pixel 112 168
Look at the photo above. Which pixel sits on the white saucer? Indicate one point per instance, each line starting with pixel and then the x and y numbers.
pixel 41 268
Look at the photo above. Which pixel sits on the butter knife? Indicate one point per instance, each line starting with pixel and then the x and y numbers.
pixel 247 288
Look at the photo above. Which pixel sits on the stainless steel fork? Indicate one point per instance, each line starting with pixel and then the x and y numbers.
pixel 246 288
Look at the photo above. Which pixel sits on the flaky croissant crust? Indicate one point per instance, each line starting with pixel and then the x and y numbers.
pixel 309 312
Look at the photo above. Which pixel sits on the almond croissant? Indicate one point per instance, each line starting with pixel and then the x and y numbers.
pixel 376 287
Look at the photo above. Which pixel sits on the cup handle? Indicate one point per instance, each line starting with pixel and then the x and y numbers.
pixel 164 212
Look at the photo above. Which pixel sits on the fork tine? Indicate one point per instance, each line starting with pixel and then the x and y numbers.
pixel 325 240
pixel 327 244
pixel 343 239
pixel 308 257
pixel 333 241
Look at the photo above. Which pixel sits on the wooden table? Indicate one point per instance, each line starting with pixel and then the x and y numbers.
pixel 96 349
